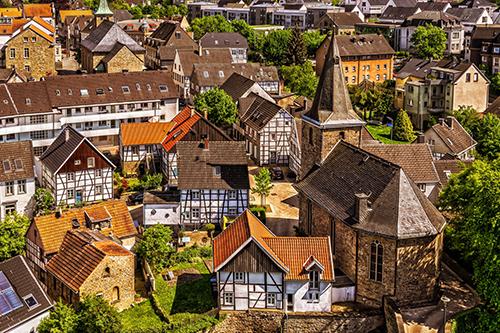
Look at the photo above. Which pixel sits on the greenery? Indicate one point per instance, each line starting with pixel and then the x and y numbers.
pixel 274 49
pixel 151 182
pixel 192 254
pixel 219 105
pixel 97 315
pixel 377 100
pixel 216 23
pixel 473 201
pixel 382 133
pixel 403 129
pixel 300 79
pixel 263 185
pixel 313 40
pixel 209 228
pixel 44 201
pixel 155 246
pixel 296 53
pixel 62 319
pixel 468 117
pixel 260 212
pixel 12 235
pixel 429 41
pixel 141 318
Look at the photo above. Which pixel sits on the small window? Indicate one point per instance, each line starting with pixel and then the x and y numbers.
pixel 58 92
pixel 217 171
pixel 98 172
pixel 28 101
pixel 70 92
pixel 98 189
pixel 107 272
pixel 221 74
pixel 21 186
pixel 195 213
pixel 70 176
pixel 232 194
pixel 9 188
pixel 163 88
pixel 18 164
pixel 99 91
pixel 476 77
pixel 6 166
pixel 228 298
pixel 26 52
pixel 314 280
pixel 271 299
pixel 31 301
pixel 195 195
pixel 205 74
pixel 70 194
pixel 84 92
pixel 422 187
pixel 12 53
pixel 148 87
pixel 467 77
pixel 25 39
pixel 33 39
pixel 90 162
pixel 138 86
pixel 232 211
pixel 153 211
pixel 239 277
pixel 78 162
pixel 126 89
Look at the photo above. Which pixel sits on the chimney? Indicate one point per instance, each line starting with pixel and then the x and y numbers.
pixel 362 207
pixel 66 134
pixel 205 113
pixel 441 121
pixel 449 122
pixel 200 49
pixel 421 138
pixel 58 213
pixel 192 111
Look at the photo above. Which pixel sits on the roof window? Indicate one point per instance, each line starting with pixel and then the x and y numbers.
pixel 6 166
pixel 163 88
pixel 28 101
pixel 99 91
pixel 18 164
pixel 126 89
pixel 84 92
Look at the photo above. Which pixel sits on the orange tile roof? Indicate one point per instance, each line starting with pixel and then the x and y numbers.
pixel 144 133
pixel 9 29
pixel 38 9
pixel 98 213
pixel 52 230
pixel 80 254
pixel 11 12
pixel 182 123
pixel 44 24
pixel 41 33
pixel 292 253
pixel 77 12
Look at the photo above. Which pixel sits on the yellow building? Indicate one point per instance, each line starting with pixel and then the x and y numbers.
pixel 364 57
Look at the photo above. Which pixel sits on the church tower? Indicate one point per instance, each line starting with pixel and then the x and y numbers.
pixel 331 117
pixel 102 13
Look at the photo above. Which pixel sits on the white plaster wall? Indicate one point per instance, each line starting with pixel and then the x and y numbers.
pixel 172 209
pixel 301 302
pixel 22 200
pixel 31 324
pixel 343 294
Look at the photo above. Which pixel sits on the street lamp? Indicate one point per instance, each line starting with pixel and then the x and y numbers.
pixel 445 301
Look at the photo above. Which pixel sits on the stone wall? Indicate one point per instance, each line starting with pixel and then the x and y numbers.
pixel 337 322
pixel 126 60
pixel 250 322
pixel 310 148
pixel 345 249
pixel 368 291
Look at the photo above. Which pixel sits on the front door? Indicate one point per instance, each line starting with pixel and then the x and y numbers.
pixel 79 196
pixel 272 157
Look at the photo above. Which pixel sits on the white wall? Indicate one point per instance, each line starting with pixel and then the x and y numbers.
pixel 160 217
pixel 301 302
pixel 31 324
pixel 21 200
pixel 343 294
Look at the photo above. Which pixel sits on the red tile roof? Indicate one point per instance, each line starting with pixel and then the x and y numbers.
pixel 291 253
pixel 38 9
pixel 144 133
pixel 182 123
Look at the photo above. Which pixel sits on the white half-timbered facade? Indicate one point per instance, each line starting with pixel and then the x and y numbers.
pixel 295 152
pixel 75 171
pixel 213 181
pixel 255 271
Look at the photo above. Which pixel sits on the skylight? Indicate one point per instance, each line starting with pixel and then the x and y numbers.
pixel 18 163
pixel 99 91
pixel 84 92
pixel 6 166
pixel 126 89
pixel 163 88
pixel 31 301
pixel 9 301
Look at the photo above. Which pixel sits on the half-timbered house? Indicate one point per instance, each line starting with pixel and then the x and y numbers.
pixel 295 141
pixel 267 128
pixel 213 181
pixel 188 125
pixel 256 269
pixel 140 146
pixel 75 171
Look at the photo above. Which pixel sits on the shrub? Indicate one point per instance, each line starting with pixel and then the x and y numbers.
pixel 260 212
pixel 134 184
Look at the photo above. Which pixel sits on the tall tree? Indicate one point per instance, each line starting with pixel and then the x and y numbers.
pixel 12 235
pixel 403 128
pixel 216 23
pixel 96 315
pixel 263 185
pixel 429 41
pixel 219 106
pixel 473 199
pixel 468 117
pixel 248 32
pixel 487 135
pixel 300 79
pixel 296 52
pixel 313 40
pixel 44 201
pixel 62 319
pixel 155 246
pixel 275 47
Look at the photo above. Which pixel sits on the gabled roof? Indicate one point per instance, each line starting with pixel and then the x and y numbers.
pixel 429 16
pixel 63 14
pixel 494 107
pixel 223 40
pixel 11 12
pixel 106 35
pixel 64 146
pixel 289 253
pixel 469 15
pixel 18 157
pixel 415 159
pixel 419 68
pixel 258 112
pixel 24 283
pixel 446 168
pixel 399 209
pixel 52 229
pixel 189 57
pixel 144 133
pixel 398 13
pixel 363 45
pixel 196 164
pixel 37 9
pixel 206 74
pixel 433 6
pixel 80 253
pixel 332 104
pixel 114 51
pixel 237 85
pixel 344 19
pixel 454 136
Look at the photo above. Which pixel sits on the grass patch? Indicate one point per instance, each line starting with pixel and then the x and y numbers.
pixel 383 134
pixel 141 318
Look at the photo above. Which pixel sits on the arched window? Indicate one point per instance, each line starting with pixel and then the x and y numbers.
pixel 376 261
pixel 116 294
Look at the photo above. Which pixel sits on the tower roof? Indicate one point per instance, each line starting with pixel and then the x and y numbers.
pixel 103 9
pixel 332 106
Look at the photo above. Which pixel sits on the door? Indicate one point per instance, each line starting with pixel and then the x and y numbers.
pixel 272 157
pixel 79 196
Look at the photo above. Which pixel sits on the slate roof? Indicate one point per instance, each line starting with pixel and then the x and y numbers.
pixel 404 3
pixel 196 165
pixel 469 15
pixel 419 68
pixel 344 19
pixel 257 112
pixel 432 6
pixel 428 16
pixel 20 152
pixel 189 57
pixel 332 104
pixel 157 197
pixel 63 147
pixel 24 283
pixel 454 136
pixel 104 38
pixel 237 85
pixel 415 159
pixel 79 255
pixel 121 15
pixel 144 133
pixel 51 229
pixel 223 40
pixel 206 74
pixel 362 45
pixel 289 253
pixel 399 209
pixel 398 13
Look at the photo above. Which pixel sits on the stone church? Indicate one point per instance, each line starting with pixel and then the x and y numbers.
pixel 386 236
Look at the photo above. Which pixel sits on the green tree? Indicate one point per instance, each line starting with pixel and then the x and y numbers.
pixel 209 228
pixel 300 79
pixel 152 182
pixel 246 31
pixel 487 135
pixel 12 235
pixel 313 40
pixel 136 12
pixel 495 84
pixel 219 105
pixel 44 201
pixel 429 41
pixel 403 129
pixel 468 117
pixel 296 51
pixel 62 319
pixel 263 185
pixel 216 23
pixel 473 201
pixel 275 47
pixel 155 246
pixel 97 315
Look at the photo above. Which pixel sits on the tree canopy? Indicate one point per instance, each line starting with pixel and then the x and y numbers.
pixel 300 79
pixel 429 41
pixel 296 52
pixel 216 23
pixel 155 246
pixel 62 319
pixel 313 40
pixel 219 106
pixel 97 315
pixel 263 184
pixel 44 201
pixel 275 47
pixel 12 235
pixel 378 100
pixel 403 128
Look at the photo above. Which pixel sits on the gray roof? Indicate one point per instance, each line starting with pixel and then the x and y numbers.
pixel 157 197
pixel 399 209
pixel 469 15
pixel 106 35
pixel 237 85
pixel 417 67
pixel 332 104
pixel 258 111
pixel 24 283
pixel 223 39
pixel 398 13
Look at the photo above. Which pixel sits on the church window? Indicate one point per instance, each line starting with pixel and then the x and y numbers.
pixel 376 261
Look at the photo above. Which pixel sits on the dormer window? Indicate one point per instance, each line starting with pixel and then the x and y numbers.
pixel 205 74
pixel 126 89
pixel 6 166
pixel 99 91
pixel 84 92
pixel 70 92
pixel 148 87
pixel 28 101
pixel 58 92
pixel 163 88
pixel 314 280
pixel 221 74
pixel 137 86
pixel 217 171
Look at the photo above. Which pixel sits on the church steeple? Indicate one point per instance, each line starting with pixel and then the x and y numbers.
pixel 103 10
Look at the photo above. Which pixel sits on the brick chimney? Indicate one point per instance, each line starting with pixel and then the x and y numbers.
pixel 362 208
pixel 421 138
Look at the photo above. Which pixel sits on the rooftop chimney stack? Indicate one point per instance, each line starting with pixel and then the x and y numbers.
pixel 362 207
pixel 421 138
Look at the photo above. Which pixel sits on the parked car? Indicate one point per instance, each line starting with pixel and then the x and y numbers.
pixel 136 198
pixel 276 173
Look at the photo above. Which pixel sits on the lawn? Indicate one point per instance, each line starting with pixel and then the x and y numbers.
pixel 383 134
pixel 141 318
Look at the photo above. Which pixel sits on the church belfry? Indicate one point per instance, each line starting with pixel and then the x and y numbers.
pixel 103 12
pixel 331 117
